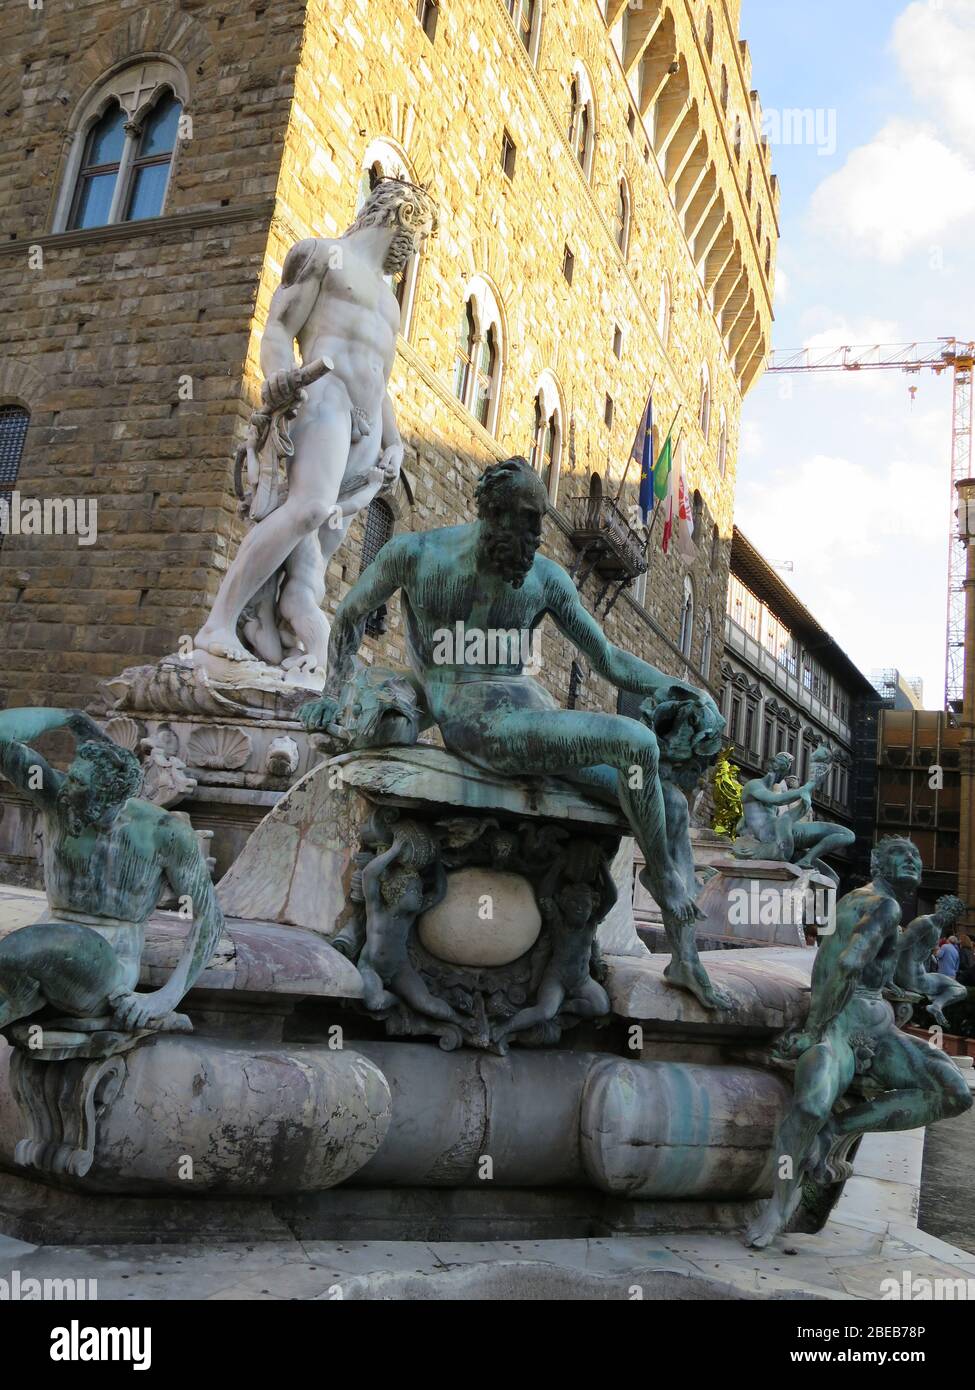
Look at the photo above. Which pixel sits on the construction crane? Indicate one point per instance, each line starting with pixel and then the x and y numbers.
pixel 947 354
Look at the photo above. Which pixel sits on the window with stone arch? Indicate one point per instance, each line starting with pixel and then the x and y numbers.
pixel 624 216
pixel 768 257
pixel 382 160
pixel 748 186
pixel 687 618
pixel 725 89
pixel 706 648
pixel 479 359
pixel 582 119
pixel 704 413
pixel 709 33
pixel 722 442
pixel 758 224
pixel 546 455
pixel 664 306
pixel 123 143
pixel 526 15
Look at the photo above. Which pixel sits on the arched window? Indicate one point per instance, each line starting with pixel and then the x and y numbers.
pixel 706 648
pixel 722 442
pixel 526 15
pixel 546 455
pixel 663 311
pixel 687 618
pixel 487 367
pixel 623 217
pixel 123 142
pixel 697 516
pixel 758 224
pixel 465 345
pixel 380 524
pixel 14 420
pixel 715 548
pixel 748 186
pixel 738 124
pixel 704 413
pixel 479 361
pixel 725 93
pixel 582 120
pixel 709 34
pixel 383 160
pixel 768 257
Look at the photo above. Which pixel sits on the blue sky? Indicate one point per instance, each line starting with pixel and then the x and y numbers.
pixel 848 478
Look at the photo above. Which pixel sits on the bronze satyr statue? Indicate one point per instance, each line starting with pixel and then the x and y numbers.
pixel 106 856
pixel 852 1049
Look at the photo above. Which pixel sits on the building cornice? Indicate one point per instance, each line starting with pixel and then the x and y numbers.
pixel 150 226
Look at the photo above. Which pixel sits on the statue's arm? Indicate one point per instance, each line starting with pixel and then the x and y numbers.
pixel 305 267
pixel 573 619
pixel 22 765
pixel 186 869
pixel 375 586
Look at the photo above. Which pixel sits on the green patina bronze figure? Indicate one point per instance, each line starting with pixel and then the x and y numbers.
pixel 851 1050
pixel 912 978
pixel 473 597
pixel 775 823
pixel 106 856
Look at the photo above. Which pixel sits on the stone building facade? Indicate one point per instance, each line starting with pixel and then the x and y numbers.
pixel 787 686
pixel 607 221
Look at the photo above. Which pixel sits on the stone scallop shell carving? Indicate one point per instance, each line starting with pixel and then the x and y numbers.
pixel 219 747
pixel 126 732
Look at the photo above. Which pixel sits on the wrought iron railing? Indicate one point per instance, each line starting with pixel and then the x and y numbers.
pixel 607 542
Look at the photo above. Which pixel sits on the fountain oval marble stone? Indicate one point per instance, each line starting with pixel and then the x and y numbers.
pixel 255 1120
pixel 458 930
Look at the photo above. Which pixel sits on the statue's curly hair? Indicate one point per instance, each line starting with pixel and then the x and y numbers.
pixel 395 202
pixel 118 774
pixel 949 905
pixel 882 849
pixel 499 483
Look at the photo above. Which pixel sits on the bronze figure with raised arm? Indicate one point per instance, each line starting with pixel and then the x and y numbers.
pixel 107 855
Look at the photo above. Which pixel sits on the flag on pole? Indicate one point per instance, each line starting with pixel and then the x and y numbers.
pixel 685 520
pixel 663 488
pixel 642 453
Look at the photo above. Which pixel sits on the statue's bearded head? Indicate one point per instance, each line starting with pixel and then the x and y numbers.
pixel 97 785
pixel 511 502
pixel 407 210
pixel 897 860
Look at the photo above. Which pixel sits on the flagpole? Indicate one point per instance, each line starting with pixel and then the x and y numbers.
pixel 658 508
pixel 643 419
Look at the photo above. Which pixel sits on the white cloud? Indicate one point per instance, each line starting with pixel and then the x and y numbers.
pixel 935 48
pixel 901 192
pixel 781 285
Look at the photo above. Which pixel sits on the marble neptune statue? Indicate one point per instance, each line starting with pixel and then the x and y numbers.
pixel 107 855
pixel 486 579
pixel 335 299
